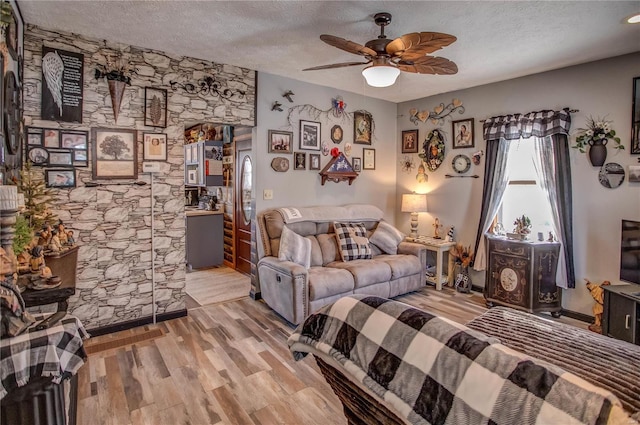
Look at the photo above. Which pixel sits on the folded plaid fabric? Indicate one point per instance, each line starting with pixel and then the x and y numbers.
pixel 435 371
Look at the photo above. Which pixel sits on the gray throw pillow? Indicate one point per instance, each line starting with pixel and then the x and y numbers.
pixel 386 237
pixel 294 247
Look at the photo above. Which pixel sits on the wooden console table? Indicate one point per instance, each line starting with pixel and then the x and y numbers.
pixel 439 246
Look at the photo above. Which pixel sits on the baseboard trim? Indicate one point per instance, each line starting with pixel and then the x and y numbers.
pixel 256 296
pixel 123 326
pixel 578 316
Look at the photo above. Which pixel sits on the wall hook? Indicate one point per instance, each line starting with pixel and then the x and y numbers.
pixel 288 95
pixel 276 106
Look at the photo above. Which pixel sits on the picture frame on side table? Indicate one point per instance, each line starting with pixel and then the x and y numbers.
pixel 635 119
pixel 154 147
pixel 60 178
pixel 362 127
pixel 280 141
pixel 368 159
pixel 309 135
pixel 462 131
pixel 155 107
pixel 410 141
pixel 114 153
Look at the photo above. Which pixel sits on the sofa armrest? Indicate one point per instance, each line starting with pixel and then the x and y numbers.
pixel 284 286
pixel 416 249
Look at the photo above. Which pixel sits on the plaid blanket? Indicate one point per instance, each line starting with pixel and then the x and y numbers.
pixel 435 371
pixel 57 352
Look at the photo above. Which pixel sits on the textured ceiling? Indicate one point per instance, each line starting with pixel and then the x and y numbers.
pixel 496 40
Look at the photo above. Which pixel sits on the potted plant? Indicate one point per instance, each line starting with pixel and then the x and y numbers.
pixel 596 135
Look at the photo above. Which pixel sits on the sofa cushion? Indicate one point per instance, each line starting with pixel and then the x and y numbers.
pixel 352 241
pixel 325 282
pixel 329 248
pixel 401 265
pixel 294 247
pixel 386 237
pixel 365 272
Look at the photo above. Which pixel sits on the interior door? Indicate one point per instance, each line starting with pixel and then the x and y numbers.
pixel 244 207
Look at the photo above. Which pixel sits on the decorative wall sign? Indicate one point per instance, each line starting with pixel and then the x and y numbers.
pixel 362 128
pixel 154 147
pixel 155 107
pixel 208 86
pixel 433 150
pixel 62 81
pixel 438 114
pixel 114 153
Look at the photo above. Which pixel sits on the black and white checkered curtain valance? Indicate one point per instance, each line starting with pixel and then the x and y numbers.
pixel 538 124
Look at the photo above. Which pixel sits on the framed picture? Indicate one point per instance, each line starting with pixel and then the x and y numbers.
pixel 410 141
pixel 463 134
pixel 369 159
pixel 280 141
pixel 38 156
pixel 309 135
pixel 114 153
pixel 155 107
pixel 301 161
pixel 362 127
pixel 635 120
pixel 357 164
pixel 314 161
pixel 60 178
pixel 11 35
pixel 80 158
pixel 634 173
pixel 336 134
pixel 34 136
pixel 60 157
pixel 154 147
pixel 73 139
pixel 51 138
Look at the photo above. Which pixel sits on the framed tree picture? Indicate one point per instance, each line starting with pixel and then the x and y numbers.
pixel 155 107
pixel 362 122
pixel 114 153
pixel 154 147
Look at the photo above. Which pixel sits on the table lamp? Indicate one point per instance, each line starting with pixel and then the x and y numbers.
pixel 414 203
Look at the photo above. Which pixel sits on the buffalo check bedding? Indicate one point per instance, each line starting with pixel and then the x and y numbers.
pixel 435 371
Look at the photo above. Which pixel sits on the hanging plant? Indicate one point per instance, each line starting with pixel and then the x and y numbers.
pixel 598 130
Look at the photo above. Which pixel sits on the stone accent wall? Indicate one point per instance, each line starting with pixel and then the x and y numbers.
pixel 112 222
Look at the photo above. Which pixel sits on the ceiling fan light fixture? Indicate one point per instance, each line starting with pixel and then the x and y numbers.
pixel 635 19
pixel 380 75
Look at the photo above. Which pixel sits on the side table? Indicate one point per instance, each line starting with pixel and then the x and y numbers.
pixel 439 246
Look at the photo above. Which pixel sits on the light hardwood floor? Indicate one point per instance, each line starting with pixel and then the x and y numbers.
pixel 226 363
pixel 216 285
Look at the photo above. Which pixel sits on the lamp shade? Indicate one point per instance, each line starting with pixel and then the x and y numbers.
pixel 381 75
pixel 414 202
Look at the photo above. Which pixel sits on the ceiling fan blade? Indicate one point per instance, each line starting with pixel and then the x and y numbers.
pixel 429 65
pixel 336 65
pixel 348 46
pixel 412 46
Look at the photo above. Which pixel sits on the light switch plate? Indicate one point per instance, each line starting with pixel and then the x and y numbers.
pixel 267 194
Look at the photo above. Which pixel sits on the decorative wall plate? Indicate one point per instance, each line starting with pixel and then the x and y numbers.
pixel 461 164
pixel 611 175
pixel 280 164
pixel 433 150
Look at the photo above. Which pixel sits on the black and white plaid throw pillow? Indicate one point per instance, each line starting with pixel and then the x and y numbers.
pixel 352 240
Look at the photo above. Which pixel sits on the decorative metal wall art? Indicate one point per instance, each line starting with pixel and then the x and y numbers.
pixel 276 106
pixel 433 150
pixel 438 114
pixel 328 115
pixel 288 95
pixel 208 86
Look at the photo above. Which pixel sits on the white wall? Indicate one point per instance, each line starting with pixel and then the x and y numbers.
pixel 602 88
pixel 303 188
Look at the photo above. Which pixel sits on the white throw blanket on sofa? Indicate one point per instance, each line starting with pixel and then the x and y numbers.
pixel 329 213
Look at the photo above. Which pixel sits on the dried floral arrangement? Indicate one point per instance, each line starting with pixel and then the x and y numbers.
pixel 597 129
pixel 117 68
pixel 462 254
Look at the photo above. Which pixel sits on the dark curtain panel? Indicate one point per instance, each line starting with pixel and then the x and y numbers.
pixel 565 204
pixel 487 187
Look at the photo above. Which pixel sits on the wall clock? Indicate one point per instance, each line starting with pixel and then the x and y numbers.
pixel 461 164
pixel 11 113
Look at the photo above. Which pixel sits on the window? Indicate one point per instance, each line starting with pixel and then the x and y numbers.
pixel 523 194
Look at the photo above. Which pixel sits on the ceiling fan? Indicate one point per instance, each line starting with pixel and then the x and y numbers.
pixel 388 57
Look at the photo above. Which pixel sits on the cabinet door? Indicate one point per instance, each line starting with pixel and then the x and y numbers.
pixel 621 318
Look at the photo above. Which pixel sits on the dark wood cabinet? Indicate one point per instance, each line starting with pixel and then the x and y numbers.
pixel 621 316
pixel 522 275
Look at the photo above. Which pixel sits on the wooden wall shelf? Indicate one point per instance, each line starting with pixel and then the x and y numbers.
pixel 337 170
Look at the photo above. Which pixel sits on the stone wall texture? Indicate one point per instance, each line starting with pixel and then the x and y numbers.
pixel 112 222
